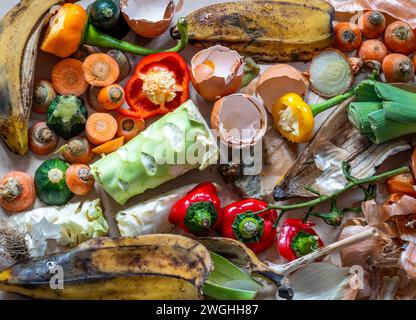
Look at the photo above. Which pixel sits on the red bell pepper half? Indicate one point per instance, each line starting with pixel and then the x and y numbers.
pixel 199 211
pixel 255 230
pixel 159 84
pixel 297 238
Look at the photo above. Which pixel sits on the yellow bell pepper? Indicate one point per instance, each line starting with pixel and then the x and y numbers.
pixel 293 118
pixel 64 33
pixel 70 28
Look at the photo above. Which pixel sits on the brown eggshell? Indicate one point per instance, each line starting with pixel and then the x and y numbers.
pixel 238 119
pixel 210 86
pixel 147 28
pixel 278 80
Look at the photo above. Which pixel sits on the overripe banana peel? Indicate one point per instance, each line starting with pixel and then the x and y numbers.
pixel 20 31
pixel 268 31
pixel 158 266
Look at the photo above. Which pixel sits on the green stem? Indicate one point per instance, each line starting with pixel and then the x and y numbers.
pixel 349 186
pixel 251 70
pixel 325 105
pixel 94 37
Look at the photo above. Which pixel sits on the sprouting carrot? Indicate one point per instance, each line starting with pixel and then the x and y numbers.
pixel 111 97
pixel 109 146
pixel 129 127
pixel 100 69
pixel 100 128
pixel 79 179
pixel 68 77
pixel 78 150
pixel 17 191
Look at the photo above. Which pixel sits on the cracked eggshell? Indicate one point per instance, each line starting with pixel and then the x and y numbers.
pixel 278 80
pixel 240 120
pixel 217 72
pixel 148 18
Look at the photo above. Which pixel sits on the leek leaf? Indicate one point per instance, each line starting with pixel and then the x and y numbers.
pixel 227 281
pixel 401 112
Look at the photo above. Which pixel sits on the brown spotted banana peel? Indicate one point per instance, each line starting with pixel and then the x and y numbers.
pixel 158 266
pixel 20 30
pixel 266 30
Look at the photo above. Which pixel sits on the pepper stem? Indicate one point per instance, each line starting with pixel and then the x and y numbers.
pixel 304 243
pixel 248 227
pixel 200 216
pixel 93 37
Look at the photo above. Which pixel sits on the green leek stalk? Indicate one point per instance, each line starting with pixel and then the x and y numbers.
pixel 228 282
pixel 175 144
pixel 383 112
pixel 93 37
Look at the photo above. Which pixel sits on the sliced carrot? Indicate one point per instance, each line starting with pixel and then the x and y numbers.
pixel 109 146
pixel 129 127
pixel 111 97
pixel 100 128
pixel 17 191
pixel 78 150
pixel 68 77
pixel 100 69
pixel 79 179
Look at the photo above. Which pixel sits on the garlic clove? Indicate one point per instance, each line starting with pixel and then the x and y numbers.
pixel 240 120
pixel 148 18
pixel 217 72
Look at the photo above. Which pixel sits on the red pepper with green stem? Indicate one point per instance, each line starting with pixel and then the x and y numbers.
pixel 159 84
pixel 199 211
pixel 297 238
pixel 241 222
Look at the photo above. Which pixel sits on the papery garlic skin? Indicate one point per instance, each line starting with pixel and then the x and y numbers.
pixel 217 72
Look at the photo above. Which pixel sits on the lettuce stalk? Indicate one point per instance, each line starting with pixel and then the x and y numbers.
pixel 175 144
